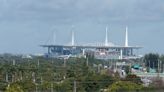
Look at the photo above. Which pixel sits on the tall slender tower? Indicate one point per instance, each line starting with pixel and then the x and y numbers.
pixel 106 37
pixel 73 39
pixel 126 37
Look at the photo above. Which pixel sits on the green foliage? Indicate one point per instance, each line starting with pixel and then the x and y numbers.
pixel 45 86
pixel 46 74
pixel 127 69
pixel 93 83
pixel 64 86
pixel 3 85
pixel 124 86
pixel 27 86
pixel 151 60
pixel 14 88
pixel 133 78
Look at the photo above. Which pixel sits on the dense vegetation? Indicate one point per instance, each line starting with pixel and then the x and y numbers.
pixel 47 74
pixel 41 74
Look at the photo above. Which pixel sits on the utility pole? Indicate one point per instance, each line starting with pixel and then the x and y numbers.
pixel 52 90
pixel 153 66
pixel 158 65
pixel 21 75
pixel 33 77
pixel 98 67
pixel 163 68
pixel 36 87
pixel 87 61
pixel 130 68
pixel 116 65
pixel 149 65
pixel 38 63
pixel 64 62
pixel 41 80
pixel 158 70
pixel 74 86
pixel 65 68
pixel 13 62
pixel 7 78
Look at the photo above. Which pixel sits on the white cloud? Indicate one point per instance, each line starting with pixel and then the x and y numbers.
pixel 82 9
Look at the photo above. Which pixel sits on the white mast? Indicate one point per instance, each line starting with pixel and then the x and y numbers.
pixel 126 37
pixel 73 39
pixel 106 37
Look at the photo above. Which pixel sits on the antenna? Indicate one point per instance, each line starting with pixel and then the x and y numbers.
pixel 106 37
pixel 126 37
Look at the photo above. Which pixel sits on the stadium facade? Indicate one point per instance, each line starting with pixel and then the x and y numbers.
pixel 106 50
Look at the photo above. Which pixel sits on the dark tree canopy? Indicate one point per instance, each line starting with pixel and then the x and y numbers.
pixel 151 60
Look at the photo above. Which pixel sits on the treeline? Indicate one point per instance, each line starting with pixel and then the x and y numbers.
pixel 154 61
pixel 52 75
pixel 39 74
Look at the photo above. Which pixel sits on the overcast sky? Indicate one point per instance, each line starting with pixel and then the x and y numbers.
pixel 26 24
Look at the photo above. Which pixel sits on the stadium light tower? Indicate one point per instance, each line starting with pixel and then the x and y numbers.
pixel 73 39
pixel 126 37
pixel 106 37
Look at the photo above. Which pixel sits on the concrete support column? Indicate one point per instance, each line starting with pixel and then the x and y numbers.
pixel 83 52
pixel 131 51
pixel 120 53
pixel 48 50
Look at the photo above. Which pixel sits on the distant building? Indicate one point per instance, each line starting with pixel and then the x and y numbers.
pixel 104 50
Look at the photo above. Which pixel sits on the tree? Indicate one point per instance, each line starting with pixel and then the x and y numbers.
pixel 133 78
pixel 151 60
pixel 93 83
pixel 162 62
pixel 14 88
pixel 27 86
pixel 124 86
pixel 65 86
pixel 127 69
